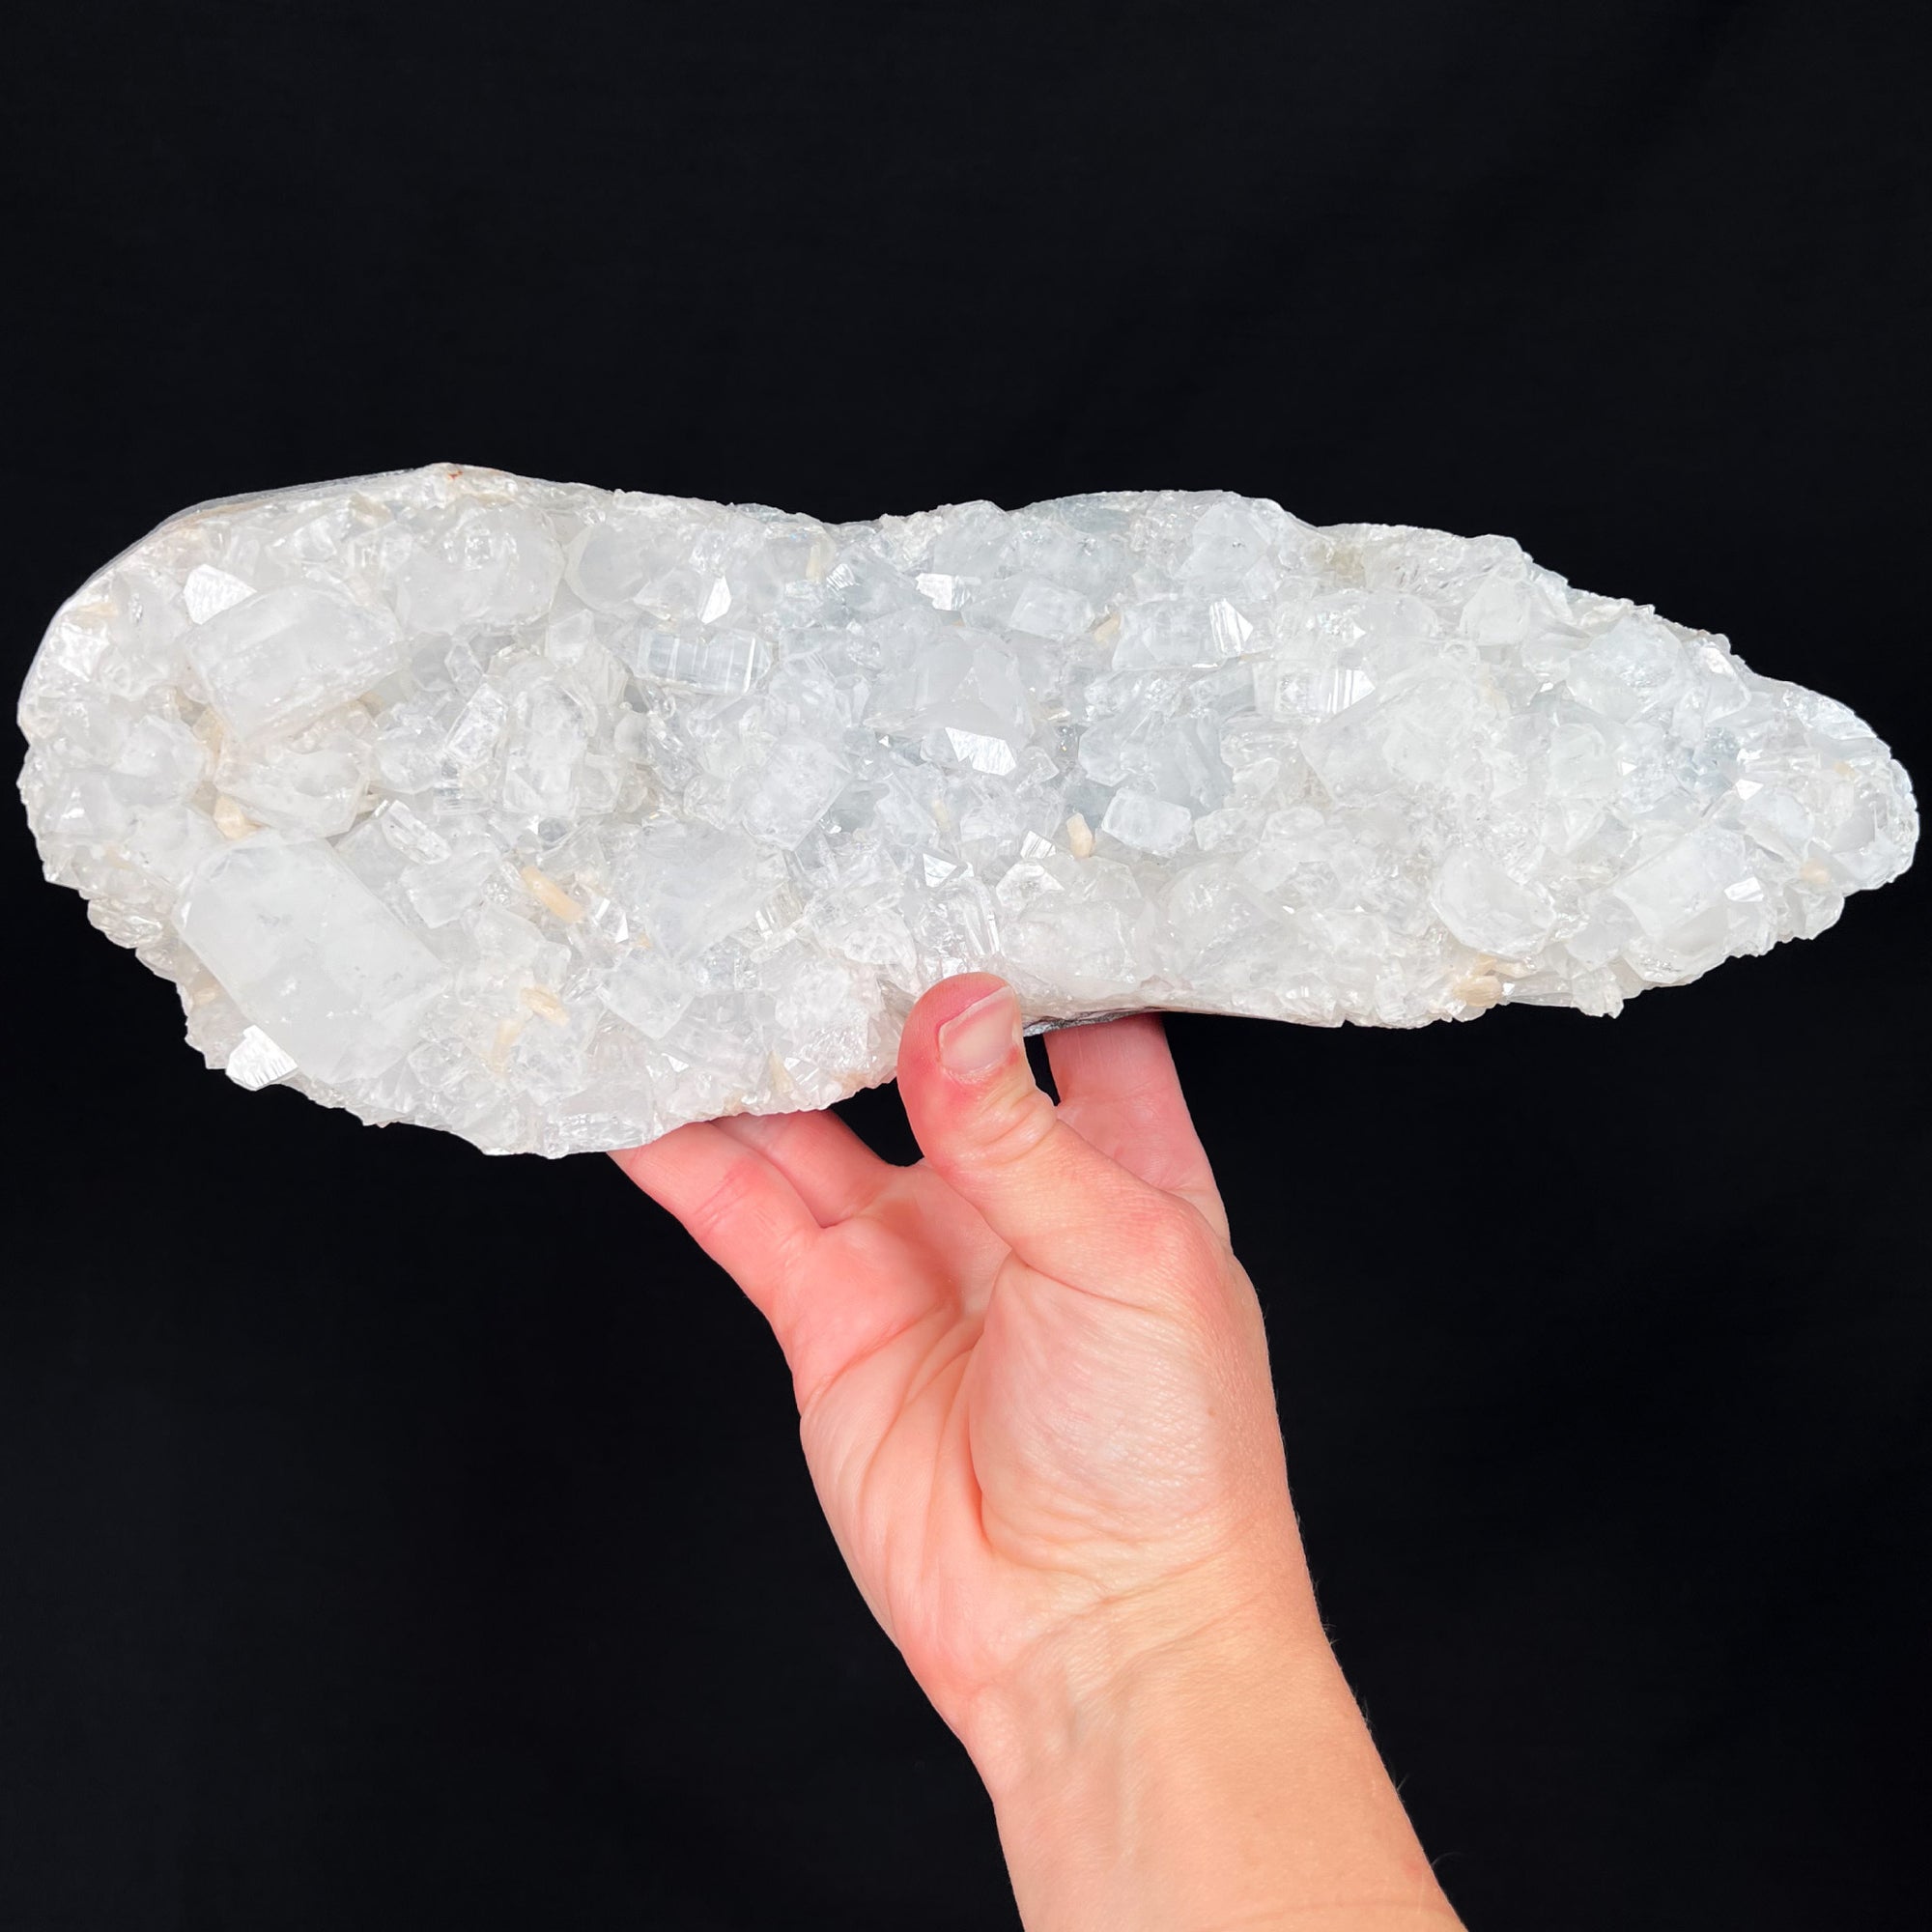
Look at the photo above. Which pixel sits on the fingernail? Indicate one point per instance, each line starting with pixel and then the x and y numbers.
pixel 982 1035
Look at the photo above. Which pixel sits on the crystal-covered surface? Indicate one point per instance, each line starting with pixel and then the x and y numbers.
pixel 555 817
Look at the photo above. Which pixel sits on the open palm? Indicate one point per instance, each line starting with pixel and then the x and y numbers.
pixel 1031 1376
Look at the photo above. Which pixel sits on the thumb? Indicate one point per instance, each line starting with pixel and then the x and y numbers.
pixel 982 1122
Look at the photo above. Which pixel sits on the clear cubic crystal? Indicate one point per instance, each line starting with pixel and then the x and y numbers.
pixel 281 658
pixel 309 955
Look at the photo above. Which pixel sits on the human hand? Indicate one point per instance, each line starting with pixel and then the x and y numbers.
pixel 1034 1400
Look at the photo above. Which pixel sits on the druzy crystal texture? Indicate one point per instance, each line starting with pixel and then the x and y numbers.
pixel 555 816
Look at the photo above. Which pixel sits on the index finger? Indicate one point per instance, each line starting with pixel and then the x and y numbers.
pixel 736 1205
pixel 1119 1089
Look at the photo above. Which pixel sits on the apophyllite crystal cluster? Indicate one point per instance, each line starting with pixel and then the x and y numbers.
pixel 555 816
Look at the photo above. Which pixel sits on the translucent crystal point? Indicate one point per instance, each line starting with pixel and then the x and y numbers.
pixel 555 816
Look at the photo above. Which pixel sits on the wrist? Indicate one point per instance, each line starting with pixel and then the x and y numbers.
pixel 1198 1762
pixel 1132 1664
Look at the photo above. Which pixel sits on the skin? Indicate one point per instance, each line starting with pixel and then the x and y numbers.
pixel 1034 1395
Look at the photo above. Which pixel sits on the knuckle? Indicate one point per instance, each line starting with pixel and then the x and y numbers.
pixel 1010 1135
pixel 729 1197
pixel 1175 1247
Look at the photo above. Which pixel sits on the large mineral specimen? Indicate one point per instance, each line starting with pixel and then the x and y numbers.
pixel 556 816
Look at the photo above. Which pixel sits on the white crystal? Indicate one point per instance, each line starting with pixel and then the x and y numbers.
pixel 255 1060
pixel 309 953
pixel 310 781
pixel 555 817
pixel 981 751
pixel 1147 823
pixel 726 664
pixel 1488 910
pixel 650 993
pixel 207 590
pixel 282 656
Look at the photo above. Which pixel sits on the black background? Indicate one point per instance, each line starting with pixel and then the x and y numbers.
pixel 393 1537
